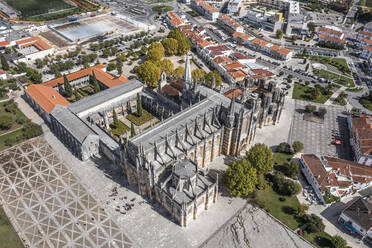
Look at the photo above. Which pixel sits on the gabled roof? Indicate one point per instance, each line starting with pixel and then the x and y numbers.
pixel 333 39
pixel 365 33
pixel 4 43
pixel 34 41
pixel 46 97
pixel 367 40
pixel 360 211
pixel 329 31
pixel 102 76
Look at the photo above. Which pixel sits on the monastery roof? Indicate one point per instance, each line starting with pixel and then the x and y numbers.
pixel 34 41
pixel 46 97
pixel 102 76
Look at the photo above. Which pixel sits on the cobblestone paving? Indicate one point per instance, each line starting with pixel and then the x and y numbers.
pixel 317 138
pixel 47 204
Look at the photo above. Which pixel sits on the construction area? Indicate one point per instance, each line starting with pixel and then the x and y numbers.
pixel 84 29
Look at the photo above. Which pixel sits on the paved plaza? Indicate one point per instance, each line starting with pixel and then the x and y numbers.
pixel 47 204
pixel 316 137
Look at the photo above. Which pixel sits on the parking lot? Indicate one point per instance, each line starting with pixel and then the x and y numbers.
pixel 318 138
pixel 47 204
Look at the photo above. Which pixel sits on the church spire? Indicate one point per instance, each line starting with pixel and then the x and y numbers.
pixel 187 78
pixel 232 104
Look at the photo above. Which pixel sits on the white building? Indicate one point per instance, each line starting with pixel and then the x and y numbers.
pixel 234 6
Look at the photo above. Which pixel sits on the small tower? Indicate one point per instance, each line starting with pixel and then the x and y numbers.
pixel 162 82
pixel 231 113
pixel 187 78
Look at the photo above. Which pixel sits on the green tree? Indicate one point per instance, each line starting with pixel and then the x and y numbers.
pixel 67 86
pixel 297 146
pixel 293 169
pixel 279 33
pixel 170 46
pixel 77 96
pixel 338 242
pixel 311 27
pixel 4 62
pixel 149 73
pixel 294 38
pixel 302 209
pixel 119 65
pixel 6 121
pixel 178 72
pixel 217 78
pixel 95 84
pixel 155 53
pixel 310 108
pixel 322 112
pixel 261 158
pixel 139 106
pixel 167 66
pixel 115 120
pixel 283 147
pixel 183 42
pixel 240 178
pixel 132 130
pixel 315 224
pixel 197 74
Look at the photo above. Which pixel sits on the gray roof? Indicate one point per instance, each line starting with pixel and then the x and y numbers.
pixel 104 96
pixel 72 123
pixel 184 169
pixel 176 121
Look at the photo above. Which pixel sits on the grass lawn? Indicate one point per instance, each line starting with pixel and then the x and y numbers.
pixel 320 239
pixel 339 79
pixel 340 101
pixel 16 116
pixel 367 3
pixel 281 158
pixel 193 13
pixel 269 200
pixel 162 8
pixel 356 89
pixel 302 92
pixel 14 134
pixel 120 130
pixel 138 121
pixel 37 7
pixel 8 236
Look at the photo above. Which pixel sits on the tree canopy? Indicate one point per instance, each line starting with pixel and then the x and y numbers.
pixel 183 42
pixel 217 78
pixel 240 178
pixel 170 46
pixel 149 73
pixel 155 53
pixel 178 72
pixel 261 158
pixel 297 146
pixel 167 66
pixel 67 86
pixel 197 75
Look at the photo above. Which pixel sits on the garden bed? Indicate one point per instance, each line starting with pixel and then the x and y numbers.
pixel 138 121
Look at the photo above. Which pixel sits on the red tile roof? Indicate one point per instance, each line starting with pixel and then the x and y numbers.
pixel 206 6
pixel 222 59
pixel 236 92
pixel 260 73
pixel 174 19
pixel 233 65
pixel 330 38
pixel 241 36
pixel 365 33
pixel 46 97
pixel 329 31
pixel 241 56
pixel 362 128
pixel 34 41
pixel 367 40
pixel 368 48
pixel 102 76
pixel 4 43
pixel 229 21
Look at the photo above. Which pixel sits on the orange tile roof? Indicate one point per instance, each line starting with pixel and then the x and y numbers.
pixel 222 59
pixel 330 38
pixel 34 41
pixel 263 43
pixel 330 31
pixel 4 43
pixel 234 65
pixel 236 92
pixel 229 21
pixel 241 36
pixel 237 74
pixel 46 97
pixel 206 6
pixel 365 33
pixel 284 51
pixel 102 76
pixel 274 48
pixel 367 48
pixel 174 19
pixel 256 41
pixel 367 40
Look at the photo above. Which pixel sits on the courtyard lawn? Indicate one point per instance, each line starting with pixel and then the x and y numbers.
pixel 12 135
pixel 8 236
pixel 120 130
pixel 138 121
pixel 302 92
pixel 268 199
pixel 281 158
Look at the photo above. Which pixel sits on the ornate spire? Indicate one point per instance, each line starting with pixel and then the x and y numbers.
pixel 187 78
pixel 232 104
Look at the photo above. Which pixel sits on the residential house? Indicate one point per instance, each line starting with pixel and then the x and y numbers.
pixel 205 9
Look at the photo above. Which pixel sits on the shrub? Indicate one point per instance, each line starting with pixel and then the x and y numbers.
pixel 10 141
pixel 284 186
pixel 282 199
pixel 315 224
pixel 31 130
pixel 310 108
pixel 6 121
pixel 21 120
pixel 297 146
pixel 283 147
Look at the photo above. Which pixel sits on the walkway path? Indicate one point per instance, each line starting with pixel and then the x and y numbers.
pixel 335 95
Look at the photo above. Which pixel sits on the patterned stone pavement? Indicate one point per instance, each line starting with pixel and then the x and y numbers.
pixel 47 204
pixel 317 138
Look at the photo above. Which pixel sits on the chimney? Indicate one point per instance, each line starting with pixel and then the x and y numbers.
pixel 53 96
